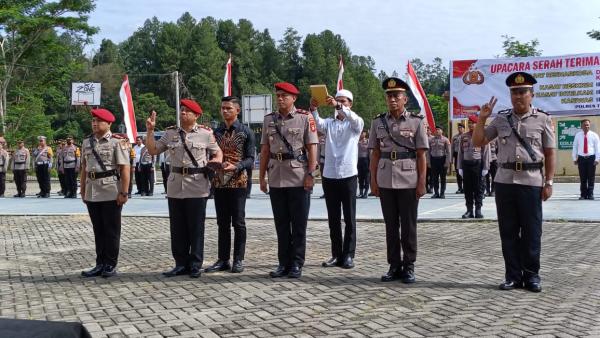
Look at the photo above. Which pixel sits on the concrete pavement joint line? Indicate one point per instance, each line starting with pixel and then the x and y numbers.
pixel 442 208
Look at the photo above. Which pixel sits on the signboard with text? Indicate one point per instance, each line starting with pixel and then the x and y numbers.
pixel 567 130
pixel 85 93
pixel 568 85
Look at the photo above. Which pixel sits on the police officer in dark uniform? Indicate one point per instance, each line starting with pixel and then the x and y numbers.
pixel 399 142
pixel 455 144
pixel 289 153
pixel 439 157
pixel 526 160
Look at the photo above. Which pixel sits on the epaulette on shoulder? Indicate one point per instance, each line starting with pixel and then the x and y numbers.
pixel 505 111
pixel 378 116
pixel 205 127
pixel 119 136
pixel 88 136
pixel 269 114
pixel 302 111
pixel 415 114
pixel 541 111
pixel 171 127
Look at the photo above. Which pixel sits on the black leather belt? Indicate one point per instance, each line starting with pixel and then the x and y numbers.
pixel 395 155
pixel 286 156
pixel 69 161
pixel 586 157
pixel 19 162
pixel 471 162
pixel 520 166
pixel 189 171
pixel 102 174
pixel 438 157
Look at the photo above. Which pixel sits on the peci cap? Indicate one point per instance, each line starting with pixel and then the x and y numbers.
pixel 345 93
pixel 520 80
pixel 192 105
pixel 103 114
pixel 394 84
pixel 287 87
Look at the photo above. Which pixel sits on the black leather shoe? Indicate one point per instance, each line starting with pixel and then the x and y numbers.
pixel 442 195
pixel 195 272
pixel 591 197
pixel 176 271
pixel 435 196
pixel 218 266
pixel 280 271
pixel 509 285
pixel 237 266
pixel 348 263
pixel 17 195
pixel 109 271
pixel 582 198
pixel 333 261
pixel 295 272
pixel 533 286
pixel 478 213
pixel 468 214
pixel 392 274
pixel 93 272
pixel 408 276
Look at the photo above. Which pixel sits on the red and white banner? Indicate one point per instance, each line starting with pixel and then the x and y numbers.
pixel 128 112
pixel 567 85
pixel 227 79
pixel 419 93
pixel 340 82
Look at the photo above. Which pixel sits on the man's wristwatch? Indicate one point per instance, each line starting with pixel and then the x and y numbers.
pixel 124 194
pixel 312 173
pixel 549 183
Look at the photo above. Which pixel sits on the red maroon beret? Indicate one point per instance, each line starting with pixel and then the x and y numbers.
pixel 473 118
pixel 287 87
pixel 103 114
pixel 192 105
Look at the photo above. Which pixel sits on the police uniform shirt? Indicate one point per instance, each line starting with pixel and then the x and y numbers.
pixel 493 150
pixel 3 161
pixel 456 142
pixel 440 146
pixel 113 152
pixel 145 157
pixel 43 155
pixel 299 129
pixel 201 142
pixel 468 152
pixel 409 130
pixel 70 156
pixel 363 148
pixel 21 159
pixel 535 127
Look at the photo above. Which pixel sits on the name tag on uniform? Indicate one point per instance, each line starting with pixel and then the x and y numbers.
pixel 406 133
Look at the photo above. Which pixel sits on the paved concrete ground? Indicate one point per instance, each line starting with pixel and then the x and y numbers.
pixel 458 268
pixel 564 205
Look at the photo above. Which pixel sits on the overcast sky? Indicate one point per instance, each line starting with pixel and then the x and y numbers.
pixel 391 32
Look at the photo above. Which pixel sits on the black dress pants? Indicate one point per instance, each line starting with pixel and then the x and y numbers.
pixel 2 183
pixel 147 178
pixel 42 174
pixel 61 181
pixel 290 212
pixel 138 178
pixel 438 174
pixel 186 218
pixel 230 204
pixel 20 178
pixel 340 197
pixel 519 210
pixel 587 175
pixel 106 221
pixel 473 182
pixel 364 176
pixel 459 179
pixel 399 208
pixel 490 186
pixel 166 171
pixel 70 182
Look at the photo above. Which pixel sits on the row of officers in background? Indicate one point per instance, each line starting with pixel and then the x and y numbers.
pixel 398 144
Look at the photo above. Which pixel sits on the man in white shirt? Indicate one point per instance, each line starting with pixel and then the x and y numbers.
pixel 139 144
pixel 586 154
pixel 339 175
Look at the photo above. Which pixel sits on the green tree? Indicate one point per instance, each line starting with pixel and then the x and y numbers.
pixel 23 24
pixel 515 48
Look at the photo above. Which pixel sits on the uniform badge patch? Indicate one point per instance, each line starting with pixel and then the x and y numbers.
pixel 313 126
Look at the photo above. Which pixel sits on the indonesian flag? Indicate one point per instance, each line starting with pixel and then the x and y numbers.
pixel 129 113
pixel 419 93
pixel 340 82
pixel 227 78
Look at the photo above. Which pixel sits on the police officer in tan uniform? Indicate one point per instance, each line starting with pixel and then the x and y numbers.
pixel 20 165
pixel 59 167
pixel 439 157
pixel 4 158
pixel 289 153
pixel 190 147
pixel 70 157
pixel 146 167
pixel 42 157
pixel 526 160
pixel 398 140
pixel 363 165
pixel 490 186
pixel 455 145
pixel 473 164
pixel 104 183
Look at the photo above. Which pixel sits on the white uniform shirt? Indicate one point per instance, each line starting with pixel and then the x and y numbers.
pixel 138 150
pixel 593 145
pixel 341 143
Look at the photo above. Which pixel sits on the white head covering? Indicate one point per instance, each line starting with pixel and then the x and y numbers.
pixel 346 93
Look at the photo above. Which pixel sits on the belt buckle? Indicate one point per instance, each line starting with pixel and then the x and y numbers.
pixel 184 171
pixel 393 155
pixel 519 166
pixel 93 175
pixel 279 157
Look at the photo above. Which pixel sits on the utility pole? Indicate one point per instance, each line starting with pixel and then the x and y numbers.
pixel 177 111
